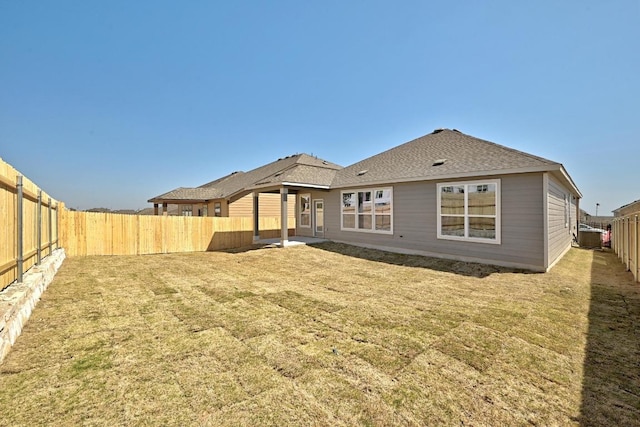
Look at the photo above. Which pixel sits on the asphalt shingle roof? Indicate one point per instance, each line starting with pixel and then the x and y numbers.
pixel 184 193
pixel 301 169
pixel 462 154
pixel 442 154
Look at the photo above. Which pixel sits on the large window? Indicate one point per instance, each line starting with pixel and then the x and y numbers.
pixel 469 211
pixel 367 210
pixel 305 210
pixel 217 209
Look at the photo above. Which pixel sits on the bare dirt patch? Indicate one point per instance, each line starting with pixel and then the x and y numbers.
pixel 329 334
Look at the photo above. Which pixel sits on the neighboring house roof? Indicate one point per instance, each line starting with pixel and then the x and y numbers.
pixel 629 207
pixel 299 169
pixel 183 194
pixel 443 154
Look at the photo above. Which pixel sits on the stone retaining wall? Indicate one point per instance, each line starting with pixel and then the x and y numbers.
pixel 19 299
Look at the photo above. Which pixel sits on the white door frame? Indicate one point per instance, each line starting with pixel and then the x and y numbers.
pixel 317 232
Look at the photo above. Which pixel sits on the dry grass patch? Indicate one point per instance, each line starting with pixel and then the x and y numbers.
pixel 327 335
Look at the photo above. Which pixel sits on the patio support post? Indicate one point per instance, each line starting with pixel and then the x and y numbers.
pixel 284 230
pixel 155 209
pixel 165 209
pixel 256 217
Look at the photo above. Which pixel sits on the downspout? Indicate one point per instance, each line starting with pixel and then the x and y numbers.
pixel 577 224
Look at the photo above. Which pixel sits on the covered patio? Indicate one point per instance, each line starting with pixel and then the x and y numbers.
pixel 288 194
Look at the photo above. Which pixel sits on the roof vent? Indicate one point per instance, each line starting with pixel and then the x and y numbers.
pixel 278 174
pixel 438 130
pixel 362 172
pixel 439 162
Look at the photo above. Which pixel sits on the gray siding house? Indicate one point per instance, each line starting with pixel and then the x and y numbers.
pixel 447 195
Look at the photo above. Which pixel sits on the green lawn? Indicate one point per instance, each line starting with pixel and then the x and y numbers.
pixel 327 335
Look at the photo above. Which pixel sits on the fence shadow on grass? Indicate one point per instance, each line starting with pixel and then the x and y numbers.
pixel 240 241
pixel 470 269
pixel 611 382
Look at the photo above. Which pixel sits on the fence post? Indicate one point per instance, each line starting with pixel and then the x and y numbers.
pixel 57 222
pixel 614 236
pixel 617 223
pixel 39 227
pixel 50 228
pixel 19 259
pixel 636 273
pixel 628 240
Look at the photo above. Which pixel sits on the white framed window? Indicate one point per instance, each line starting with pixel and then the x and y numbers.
pixel 305 210
pixel 187 210
pixel 368 210
pixel 566 211
pixel 217 209
pixel 469 211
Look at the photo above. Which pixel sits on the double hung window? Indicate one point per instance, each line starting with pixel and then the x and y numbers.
pixel 367 210
pixel 469 211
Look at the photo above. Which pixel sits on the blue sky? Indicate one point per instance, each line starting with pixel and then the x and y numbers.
pixel 107 104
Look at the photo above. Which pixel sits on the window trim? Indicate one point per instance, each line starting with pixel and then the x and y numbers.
pixel 498 215
pixel 355 214
pixel 308 195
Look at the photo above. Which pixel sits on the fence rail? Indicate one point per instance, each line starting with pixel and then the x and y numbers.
pixel 29 219
pixel 626 237
pixel 94 233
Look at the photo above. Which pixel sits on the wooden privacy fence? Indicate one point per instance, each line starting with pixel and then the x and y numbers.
pixel 29 219
pixel 92 233
pixel 625 237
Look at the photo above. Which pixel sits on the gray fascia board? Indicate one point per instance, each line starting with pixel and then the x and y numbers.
pixel 299 184
pixel 288 184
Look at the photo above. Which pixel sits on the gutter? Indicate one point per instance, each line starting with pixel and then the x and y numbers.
pixel 558 167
